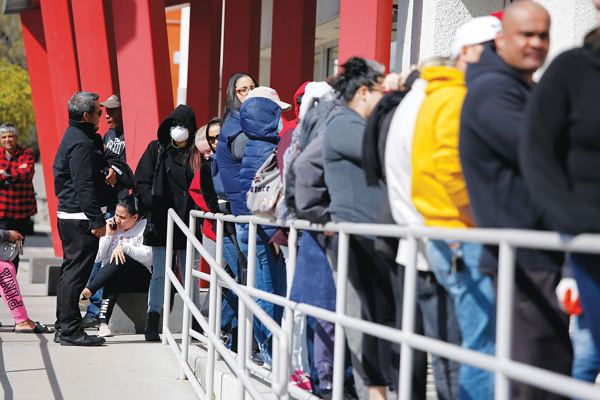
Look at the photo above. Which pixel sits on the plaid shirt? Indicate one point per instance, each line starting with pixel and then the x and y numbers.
pixel 17 198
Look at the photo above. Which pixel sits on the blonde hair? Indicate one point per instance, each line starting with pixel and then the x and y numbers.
pixel 201 134
pixel 435 62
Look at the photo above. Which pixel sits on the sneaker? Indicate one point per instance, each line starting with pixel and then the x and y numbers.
pixel 89 322
pixel 104 331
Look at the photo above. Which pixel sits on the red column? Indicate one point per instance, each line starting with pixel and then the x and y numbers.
pixel 366 30
pixel 43 105
pixel 144 71
pixel 292 47
pixel 62 58
pixel 204 53
pixel 96 49
pixel 241 48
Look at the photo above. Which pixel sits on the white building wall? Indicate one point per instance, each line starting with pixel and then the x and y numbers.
pixel 571 21
pixel 426 28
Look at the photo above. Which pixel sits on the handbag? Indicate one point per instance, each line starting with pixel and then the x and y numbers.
pixel 10 250
pixel 265 193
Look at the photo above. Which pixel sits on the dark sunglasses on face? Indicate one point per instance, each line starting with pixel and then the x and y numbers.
pixel 213 139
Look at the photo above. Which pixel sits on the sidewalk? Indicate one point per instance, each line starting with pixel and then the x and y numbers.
pixel 34 367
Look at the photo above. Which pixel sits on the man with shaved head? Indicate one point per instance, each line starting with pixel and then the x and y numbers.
pixel 492 124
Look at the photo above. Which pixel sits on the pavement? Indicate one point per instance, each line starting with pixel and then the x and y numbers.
pixel 32 366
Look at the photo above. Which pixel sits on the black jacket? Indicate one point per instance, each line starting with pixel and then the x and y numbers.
pixel 79 173
pixel 491 127
pixel 163 178
pixel 561 147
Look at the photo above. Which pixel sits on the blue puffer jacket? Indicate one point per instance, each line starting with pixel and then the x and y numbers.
pixel 229 166
pixel 259 119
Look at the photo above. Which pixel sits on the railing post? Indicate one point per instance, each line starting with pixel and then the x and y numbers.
pixel 250 284
pixel 409 304
pixel 340 309
pixel 218 303
pixel 188 287
pixel 289 313
pixel 504 320
pixel 212 315
pixel 168 267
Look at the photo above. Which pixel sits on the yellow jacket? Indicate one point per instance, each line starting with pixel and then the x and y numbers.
pixel 438 186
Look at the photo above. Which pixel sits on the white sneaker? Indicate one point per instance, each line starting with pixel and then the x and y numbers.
pixel 104 331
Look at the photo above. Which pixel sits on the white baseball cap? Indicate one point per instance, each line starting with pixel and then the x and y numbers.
pixel 476 31
pixel 271 94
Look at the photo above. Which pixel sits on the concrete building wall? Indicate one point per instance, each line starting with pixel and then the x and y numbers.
pixel 571 21
pixel 427 28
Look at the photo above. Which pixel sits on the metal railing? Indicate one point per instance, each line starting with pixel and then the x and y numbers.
pixel 501 364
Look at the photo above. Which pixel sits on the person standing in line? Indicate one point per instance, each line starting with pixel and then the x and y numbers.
pixel 17 197
pixel 558 154
pixel 81 187
pixel 164 175
pixel 114 146
pixel 440 195
pixel 492 126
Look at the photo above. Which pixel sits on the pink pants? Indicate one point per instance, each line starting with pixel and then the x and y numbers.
pixel 9 288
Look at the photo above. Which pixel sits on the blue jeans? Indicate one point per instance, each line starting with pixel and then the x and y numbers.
pixel 586 271
pixel 156 292
pixel 93 309
pixel 586 364
pixel 230 302
pixel 474 301
pixel 270 277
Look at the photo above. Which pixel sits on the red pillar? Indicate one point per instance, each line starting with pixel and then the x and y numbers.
pixel 366 30
pixel 204 53
pixel 43 105
pixel 292 47
pixel 241 48
pixel 96 49
pixel 144 71
pixel 62 58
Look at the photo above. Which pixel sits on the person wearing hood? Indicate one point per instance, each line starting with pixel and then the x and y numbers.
pixel 492 126
pixel 563 181
pixel 164 175
pixel 260 119
pixel 81 188
pixel 439 194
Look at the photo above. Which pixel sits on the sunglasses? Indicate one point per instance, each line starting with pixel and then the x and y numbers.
pixel 245 90
pixel 213 139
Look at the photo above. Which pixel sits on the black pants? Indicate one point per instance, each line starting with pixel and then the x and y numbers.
pixel 79 251
pixel 20 225
pixel 116 278
pixel 380 285
pixel 540 329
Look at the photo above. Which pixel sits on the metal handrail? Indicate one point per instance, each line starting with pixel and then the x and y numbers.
pixel 279 387
pixel 507 240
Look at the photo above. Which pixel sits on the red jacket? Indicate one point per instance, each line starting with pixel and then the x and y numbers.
pixel 207 227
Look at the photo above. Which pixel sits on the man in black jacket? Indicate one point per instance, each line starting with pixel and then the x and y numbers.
pixel 164 175
pixel 498 89
pixel 81 188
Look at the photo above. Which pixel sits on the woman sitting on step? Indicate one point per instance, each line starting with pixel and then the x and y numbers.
pixel 126 261
pixel 11 293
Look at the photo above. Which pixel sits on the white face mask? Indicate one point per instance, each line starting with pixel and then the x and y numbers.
pixel 179 133
pixel 280 125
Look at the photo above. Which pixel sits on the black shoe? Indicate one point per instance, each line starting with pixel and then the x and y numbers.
pixel 80 338
pixel 57 336
pixel 88 322
pixel 151 331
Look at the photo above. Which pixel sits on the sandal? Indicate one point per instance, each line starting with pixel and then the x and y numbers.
pixel 39 328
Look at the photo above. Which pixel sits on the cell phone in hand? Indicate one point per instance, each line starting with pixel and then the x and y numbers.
pixel 113 225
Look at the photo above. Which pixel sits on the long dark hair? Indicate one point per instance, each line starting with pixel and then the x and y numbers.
pixel 214 121
pixel 231 101
pixel 131 204
pixel 357 72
